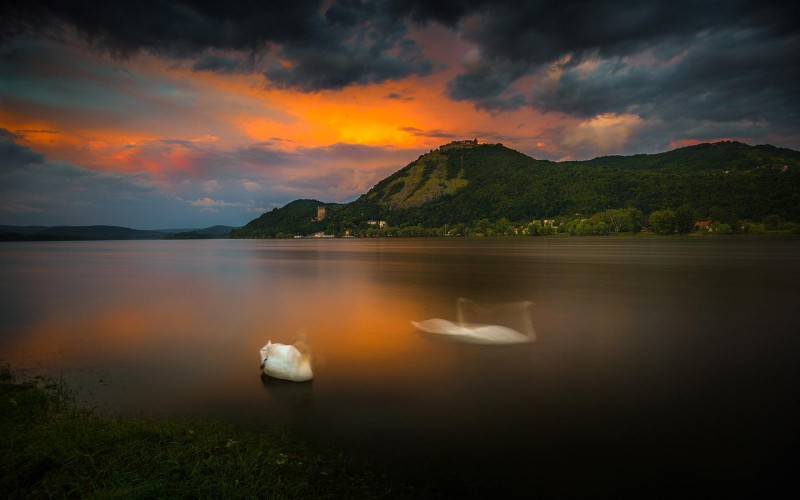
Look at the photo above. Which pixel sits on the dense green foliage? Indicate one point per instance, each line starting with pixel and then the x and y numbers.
pixel 207 233
pixel 724 155
pixel 727 182
pixel 52 448
pixel 297 217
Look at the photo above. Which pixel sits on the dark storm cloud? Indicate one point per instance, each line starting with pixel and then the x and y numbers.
pixel 729 77
pixel 224 64
pixel 447 12
pixel 355 43
pixel 708 60
pixel 317 48
pixel 727 48
pixel 171 27
pixel 488 84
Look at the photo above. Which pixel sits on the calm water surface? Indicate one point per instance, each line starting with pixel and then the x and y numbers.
pixel 663 365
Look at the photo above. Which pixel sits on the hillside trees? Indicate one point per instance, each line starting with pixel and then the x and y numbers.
pixel 685 218
pixel 494 190
pixel 662 221
pixel 625 220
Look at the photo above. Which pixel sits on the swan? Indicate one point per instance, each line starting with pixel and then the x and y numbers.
pixel 480 333
pixel 287 362
pixel 476 334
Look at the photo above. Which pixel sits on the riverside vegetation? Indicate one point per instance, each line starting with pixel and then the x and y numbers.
pixel 491 190
pixel 51 447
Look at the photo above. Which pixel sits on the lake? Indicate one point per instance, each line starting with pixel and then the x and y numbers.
pixel 662 366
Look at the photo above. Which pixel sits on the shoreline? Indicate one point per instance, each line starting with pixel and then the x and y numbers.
pixel 55 448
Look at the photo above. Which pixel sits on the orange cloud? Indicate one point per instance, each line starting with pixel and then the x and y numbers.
pixel 171 105
pixel 604 133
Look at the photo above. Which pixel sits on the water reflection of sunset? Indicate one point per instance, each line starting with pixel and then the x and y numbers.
pixel 158 312
pixel 112 332
pixel 636 340
pixel 350 321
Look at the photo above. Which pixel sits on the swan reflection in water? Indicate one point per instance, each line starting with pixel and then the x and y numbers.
pixel 476 323
pixel 290 404
pixel 296 398
pixel 287 362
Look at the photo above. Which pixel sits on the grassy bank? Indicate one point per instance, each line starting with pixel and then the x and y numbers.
pixel 53 448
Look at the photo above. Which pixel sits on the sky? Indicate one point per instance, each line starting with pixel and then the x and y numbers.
pixel 158 114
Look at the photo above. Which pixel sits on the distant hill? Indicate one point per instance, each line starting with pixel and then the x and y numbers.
pixel 78 233
pixel 725 155
pixel 21 230
pixel 462 185
pixel 212 232
pixel 297 217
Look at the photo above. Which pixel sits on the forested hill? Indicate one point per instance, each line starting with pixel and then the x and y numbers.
pixel 726 155
pixel 296 218
pixel 492 182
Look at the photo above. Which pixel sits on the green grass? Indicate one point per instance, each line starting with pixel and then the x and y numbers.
pixel 50 447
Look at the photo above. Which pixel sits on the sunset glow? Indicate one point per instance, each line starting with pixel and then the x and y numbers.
pixel 254 120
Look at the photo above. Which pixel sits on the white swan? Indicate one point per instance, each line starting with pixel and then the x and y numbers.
pixel 287 362
pixel 480 333
pixel 477 334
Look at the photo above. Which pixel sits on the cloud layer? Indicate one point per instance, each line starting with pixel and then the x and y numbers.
pixel 580 58
pixel 224 109
pixel 201 184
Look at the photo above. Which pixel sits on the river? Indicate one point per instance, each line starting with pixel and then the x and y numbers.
pixel 661 365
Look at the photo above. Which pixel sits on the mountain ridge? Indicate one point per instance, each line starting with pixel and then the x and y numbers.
pixel 462 185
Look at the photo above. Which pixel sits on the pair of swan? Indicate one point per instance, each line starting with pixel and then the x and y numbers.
pixel 287 362
pixel 293 362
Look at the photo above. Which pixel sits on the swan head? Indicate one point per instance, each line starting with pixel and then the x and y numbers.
pixel 265 353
